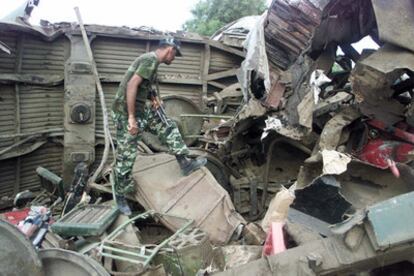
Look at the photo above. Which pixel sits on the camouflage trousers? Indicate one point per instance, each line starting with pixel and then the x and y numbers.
pixel 127 145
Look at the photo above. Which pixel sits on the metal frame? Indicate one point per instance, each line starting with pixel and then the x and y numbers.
pixel 139 254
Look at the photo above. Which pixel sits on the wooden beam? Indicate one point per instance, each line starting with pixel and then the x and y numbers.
pixel 222 74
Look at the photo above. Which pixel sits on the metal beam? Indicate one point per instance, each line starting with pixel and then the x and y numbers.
pixel 223 47
pixel 38 79
pixel 222 74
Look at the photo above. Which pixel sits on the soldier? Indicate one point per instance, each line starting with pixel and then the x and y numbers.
pixel 137 109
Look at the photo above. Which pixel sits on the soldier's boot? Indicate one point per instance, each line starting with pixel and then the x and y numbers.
pixel 189 165
pixel 122 205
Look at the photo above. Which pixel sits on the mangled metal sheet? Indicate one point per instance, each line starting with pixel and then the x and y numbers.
pixel 161 187
pixel 372 81
pixel 337 255
pixel 361 184
pixel 234 33
pixel 333 132
pixel 256 59
pixel 395 20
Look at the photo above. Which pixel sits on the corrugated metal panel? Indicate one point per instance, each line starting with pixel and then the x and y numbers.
pixel 7 113
pixel 7 63
pixel 42 57
pixel 7 177
pixel 114 55
pixel 41 108
pixel 49 156
pixel 221 61
pixel 188 66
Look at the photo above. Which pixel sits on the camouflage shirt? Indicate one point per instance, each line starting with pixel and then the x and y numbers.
pixel 145 66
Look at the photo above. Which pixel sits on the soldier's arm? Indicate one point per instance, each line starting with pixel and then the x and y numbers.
pixel 131 95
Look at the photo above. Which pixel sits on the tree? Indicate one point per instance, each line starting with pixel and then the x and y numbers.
pixel 211 15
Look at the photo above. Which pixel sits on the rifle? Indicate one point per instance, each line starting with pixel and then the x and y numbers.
pixel 158 108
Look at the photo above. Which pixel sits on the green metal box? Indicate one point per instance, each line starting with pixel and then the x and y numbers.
pixel 89 220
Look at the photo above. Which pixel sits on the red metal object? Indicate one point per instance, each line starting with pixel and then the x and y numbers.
pixel 393 145
pixel 397 132
pixel 379 153
pixel 14 217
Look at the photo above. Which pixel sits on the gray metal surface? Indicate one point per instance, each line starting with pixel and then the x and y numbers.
pixel 17 255
pixel 60 262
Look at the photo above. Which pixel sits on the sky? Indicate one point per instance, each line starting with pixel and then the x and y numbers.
pixel 163 15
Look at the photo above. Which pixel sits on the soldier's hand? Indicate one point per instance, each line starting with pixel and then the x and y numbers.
pixel 132 126
pixel 155 104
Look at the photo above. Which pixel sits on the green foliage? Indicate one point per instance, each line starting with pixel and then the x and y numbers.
pixel 211 15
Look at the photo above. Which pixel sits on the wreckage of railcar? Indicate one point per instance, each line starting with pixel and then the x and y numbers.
pixel 310 147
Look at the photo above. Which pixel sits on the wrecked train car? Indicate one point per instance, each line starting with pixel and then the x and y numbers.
pixel 44 108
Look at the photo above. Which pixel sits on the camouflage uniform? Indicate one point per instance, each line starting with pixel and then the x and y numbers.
pixel 147 119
